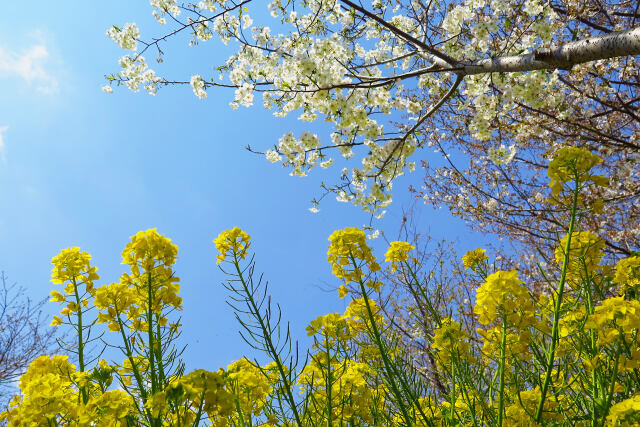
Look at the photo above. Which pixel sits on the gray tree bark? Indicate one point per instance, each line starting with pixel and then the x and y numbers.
pixel 564 56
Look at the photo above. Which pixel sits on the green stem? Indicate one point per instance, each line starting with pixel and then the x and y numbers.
pixel 162 377
pixel 556 312
pixel 390 368
pixel 453 386
pixel 607 403
pixel 150 337
pixel 385 357
pixel 503 352
pixel 268 341
pixel 329 385
pixel 155 386
pixel 236 397
pixel 83 391
pixel 594 380
pixel 134 366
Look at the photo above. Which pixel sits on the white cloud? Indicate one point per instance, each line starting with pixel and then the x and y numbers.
pixel 29 65
pixel 3 129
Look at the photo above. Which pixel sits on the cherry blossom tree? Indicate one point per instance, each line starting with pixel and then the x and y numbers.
pixel 478 93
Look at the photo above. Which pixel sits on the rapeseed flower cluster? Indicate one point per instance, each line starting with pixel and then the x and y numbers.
pixel 197 391
pixel 336 380
pixel 113 407
pixel 626 412
pixel 585 255
pixel 342 387
pixel 50 391
pixel 117 300
pixel 517 344
pixel 149 290
pixel 573 164
pixel 397 253
pixel 519 412
pixel 503 296
pixel 524 355
pixel 72 269
pixel 349 253
pixel 251 385
pixel 234 240
pixel 615 320
pixel 150 252
pixel 474 259
pixel 450 342
pixel 151 256
pixel 357 314
pixel 47 391
pixel 332 326
pixel 627 274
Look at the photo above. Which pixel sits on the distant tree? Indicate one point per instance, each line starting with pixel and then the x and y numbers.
pixel 24 334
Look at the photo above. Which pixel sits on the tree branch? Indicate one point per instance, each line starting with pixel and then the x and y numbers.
pixel 403 35
pixel 564 56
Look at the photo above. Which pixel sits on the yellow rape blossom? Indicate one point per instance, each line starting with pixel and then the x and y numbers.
pixel 585 254
pixel 450 341
pixel 352 397
pixel 629 362
pixel 48 393
pixel 107 409
pixel 517 345
pixel 519 412
pixel 234 240
pixel 627 274
pixel 149 250
pixel 397 253
pixel 626 412
pixel 571 163
pixel 613 318
pixel 357 316
pixel 473 259
pixel 152 284
pixel 342 291
pixel 503 293
pixel 116 298
pixel 346 247
pixel 56 296
pixel 197 389
pixel 72 269
pixel 73 266
pixel 216 401
pixel 251 385
pixel 157 404
pixel 330 328
pixel 57 364
pixel 569 328
pixel 140 361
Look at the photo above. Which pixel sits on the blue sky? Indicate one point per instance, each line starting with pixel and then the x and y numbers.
pixel 79 167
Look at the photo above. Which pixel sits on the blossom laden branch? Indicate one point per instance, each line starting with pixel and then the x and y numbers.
pixel 565 56
pixel 535 79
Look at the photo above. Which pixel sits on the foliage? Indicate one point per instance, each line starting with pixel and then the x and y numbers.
pixel 394 77
pixel 566 354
